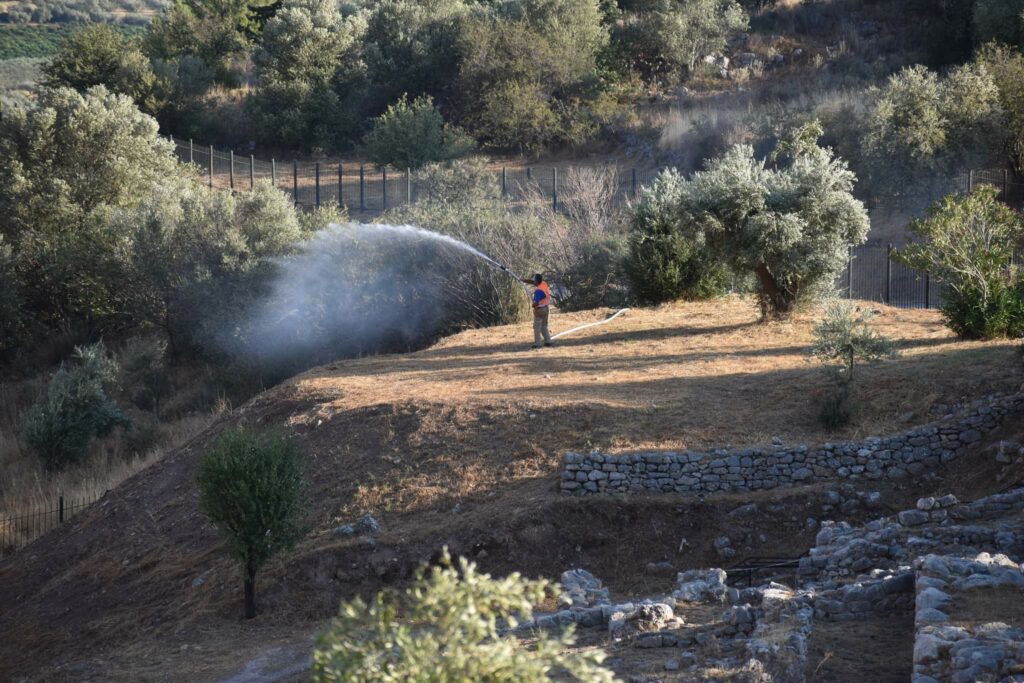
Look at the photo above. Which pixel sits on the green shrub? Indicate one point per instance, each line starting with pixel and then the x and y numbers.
pixel 445 627
pixel 319 218
pixel 596 278
pixel 74 409
pixel 667 36
pixel 145 375
pixel 967 244
pixel 999 20
pixel 411 134
pixel 529 76
pixel 921 125
pixel 664 262
pixel 11 316
pixel 296 102
pixel 841 339
pixel 463 180
pixel 1007 68
pixel 98 54
pixel 250 487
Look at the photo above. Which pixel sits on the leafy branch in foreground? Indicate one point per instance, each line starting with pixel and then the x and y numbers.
pixel 447 626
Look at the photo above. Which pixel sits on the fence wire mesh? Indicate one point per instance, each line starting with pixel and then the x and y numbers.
pixel 367 191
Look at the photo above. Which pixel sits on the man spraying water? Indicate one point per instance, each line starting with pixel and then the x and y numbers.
pixel 541 303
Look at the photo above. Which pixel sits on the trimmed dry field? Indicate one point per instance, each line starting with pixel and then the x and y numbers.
pixel 460 445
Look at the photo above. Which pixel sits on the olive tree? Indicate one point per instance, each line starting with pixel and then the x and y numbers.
pixel 64 164
pixel 842 337
pixel 300 53
pixel 194 259
pixel 920 125
pixel 445 627
pixel 967 243
pixel 250 487
pixel 790 227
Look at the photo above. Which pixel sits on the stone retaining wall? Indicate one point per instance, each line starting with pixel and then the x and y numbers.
pixel 970 651
pixel 935 525
pixel 910 453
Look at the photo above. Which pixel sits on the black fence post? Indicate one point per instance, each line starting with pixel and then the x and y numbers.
pixel 849 274
pixel 927 283
pixel 970 181
pixel 504 183
pixel 408 185
pixel 341 178
pixel 60 508
pixel 888 273
pixel 191 154
pixel 384 188
pixel 632 191
pixel 252 171
pixel 295 181
pixel 211 166
pixel 231 171
pixel 529 173
pixel 554 188
pixel 362 186
pixel 273 172
pixel 317 174
pixel 1006 185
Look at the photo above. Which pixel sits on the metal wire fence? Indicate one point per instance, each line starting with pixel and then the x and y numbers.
pixel 18 531
pixel 367 191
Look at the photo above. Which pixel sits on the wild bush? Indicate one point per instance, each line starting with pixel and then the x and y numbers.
pixel 64 164
pixel 665 262
pixel 411 134
pixel 250 488
pixel 596 276
pixel 920 126
pixel 528 75
pixel 74 409
pixel 999 20
pixel 196 259
pixel 217 33
pixel 145 376
pixel 296 102
pixel 666 37
pixel 11 316
pixel 413 47
pixel 967 243
pixel 1006 66
pixel 98 54
pixel 842 338
pixel 445 627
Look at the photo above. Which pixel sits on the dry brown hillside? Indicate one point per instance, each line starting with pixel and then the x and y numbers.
pixel 460 444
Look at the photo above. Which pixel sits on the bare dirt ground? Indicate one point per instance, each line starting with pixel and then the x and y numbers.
pixel 460 445
pixel 878 650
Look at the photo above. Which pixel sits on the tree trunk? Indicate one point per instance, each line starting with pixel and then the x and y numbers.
pixel 773 299
pixel 250 594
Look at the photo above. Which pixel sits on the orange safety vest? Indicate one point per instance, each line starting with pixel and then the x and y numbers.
pixel 543 287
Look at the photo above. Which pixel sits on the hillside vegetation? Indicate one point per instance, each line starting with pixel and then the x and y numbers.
pixel 459 444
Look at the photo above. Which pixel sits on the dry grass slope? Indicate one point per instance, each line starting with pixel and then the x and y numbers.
pixel 459 445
